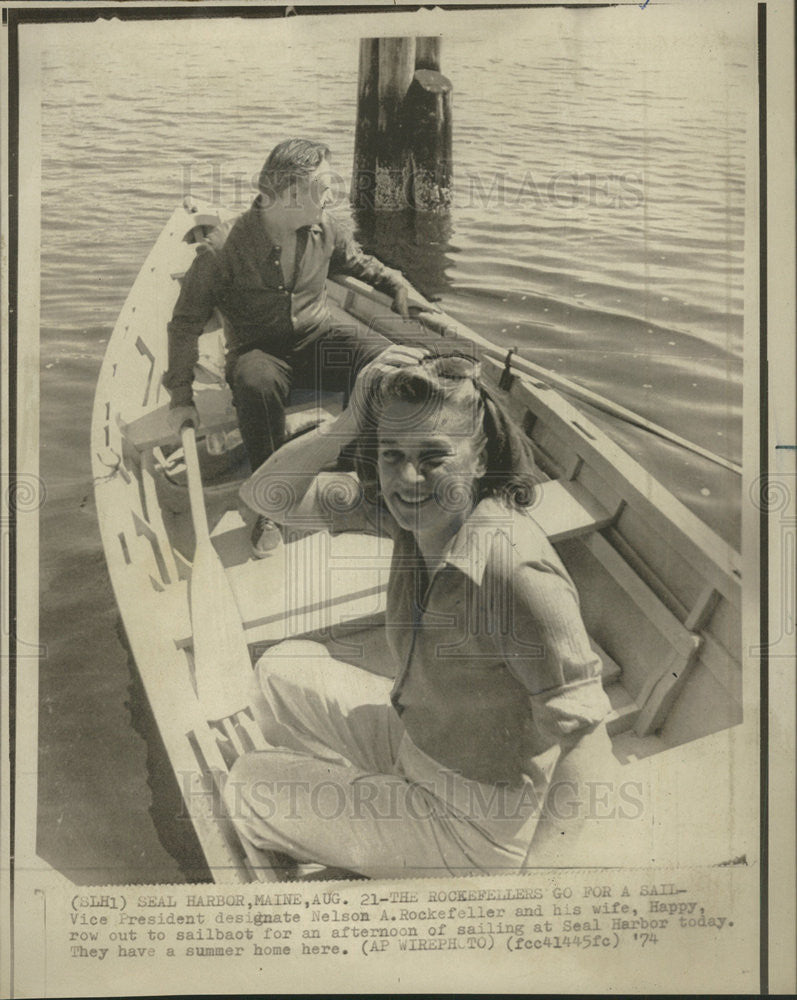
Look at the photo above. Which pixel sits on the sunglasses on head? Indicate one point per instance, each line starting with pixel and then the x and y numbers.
pixel 454 365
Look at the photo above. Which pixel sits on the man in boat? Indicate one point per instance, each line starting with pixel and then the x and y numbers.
pixel 265 272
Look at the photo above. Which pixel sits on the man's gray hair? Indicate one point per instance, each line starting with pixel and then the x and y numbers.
pixel 290 161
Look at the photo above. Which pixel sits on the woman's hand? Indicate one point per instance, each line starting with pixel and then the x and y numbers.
pixel 395 356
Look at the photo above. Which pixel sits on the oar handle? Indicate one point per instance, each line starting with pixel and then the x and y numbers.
pixel 195 494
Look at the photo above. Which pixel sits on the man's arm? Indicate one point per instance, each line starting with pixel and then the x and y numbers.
pixel 349 258
pixel 194 308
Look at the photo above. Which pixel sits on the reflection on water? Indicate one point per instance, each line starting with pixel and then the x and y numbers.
pixel 417 244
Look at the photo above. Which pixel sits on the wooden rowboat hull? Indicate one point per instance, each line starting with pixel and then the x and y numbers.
pixel 660 592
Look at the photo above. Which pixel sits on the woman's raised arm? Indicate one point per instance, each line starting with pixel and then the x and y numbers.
pixel 279 486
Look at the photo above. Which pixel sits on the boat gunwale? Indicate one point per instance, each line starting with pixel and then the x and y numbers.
pixel 652 501
pixel 106 431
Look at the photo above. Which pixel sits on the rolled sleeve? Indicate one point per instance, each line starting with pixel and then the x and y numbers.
pixel 546 647
pixel 570 708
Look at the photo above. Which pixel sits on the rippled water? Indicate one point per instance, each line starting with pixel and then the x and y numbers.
pixel 598 225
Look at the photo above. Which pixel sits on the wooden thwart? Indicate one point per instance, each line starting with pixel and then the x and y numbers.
pixel 322 580
pixel 662 685
pixel 216 414
pixel 565 509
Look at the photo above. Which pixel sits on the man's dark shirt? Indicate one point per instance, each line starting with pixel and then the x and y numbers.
pixel 237 270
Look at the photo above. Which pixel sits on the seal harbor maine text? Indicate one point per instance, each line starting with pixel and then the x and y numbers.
pixel 352 920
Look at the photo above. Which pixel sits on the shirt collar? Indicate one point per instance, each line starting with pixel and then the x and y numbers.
pixel 256 211
pixel 470 548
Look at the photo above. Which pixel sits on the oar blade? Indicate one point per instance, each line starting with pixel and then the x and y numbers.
pixel 223 666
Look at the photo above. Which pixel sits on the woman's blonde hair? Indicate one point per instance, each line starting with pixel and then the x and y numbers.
pixel 453 380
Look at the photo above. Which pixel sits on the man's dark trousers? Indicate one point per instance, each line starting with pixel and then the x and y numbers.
pixel 261 382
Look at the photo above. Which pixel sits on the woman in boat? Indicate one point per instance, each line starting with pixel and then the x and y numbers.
pixel 447 769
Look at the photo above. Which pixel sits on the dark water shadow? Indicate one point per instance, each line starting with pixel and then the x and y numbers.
pixel 170 818
pixel 417 244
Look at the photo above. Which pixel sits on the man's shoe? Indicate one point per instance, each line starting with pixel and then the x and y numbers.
pixel 266 536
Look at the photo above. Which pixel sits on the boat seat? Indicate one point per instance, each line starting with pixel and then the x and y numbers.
pixel 656 650
pixel 325 580
pixel 304 586
pixel 563 508
pixel 217 414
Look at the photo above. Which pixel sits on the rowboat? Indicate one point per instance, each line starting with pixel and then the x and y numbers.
pixel 660 591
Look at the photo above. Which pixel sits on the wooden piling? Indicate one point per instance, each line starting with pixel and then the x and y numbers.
pixel 427 53
pixel 402 156
pixel 427 115
pixel 391 164
pixel 363 179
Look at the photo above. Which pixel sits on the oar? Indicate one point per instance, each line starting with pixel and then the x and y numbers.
pixel 436 320
pixel 222 665
pixel 612 408
pixel 223 668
